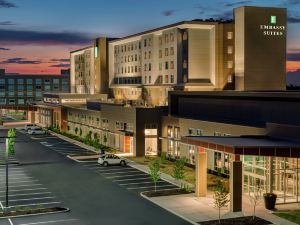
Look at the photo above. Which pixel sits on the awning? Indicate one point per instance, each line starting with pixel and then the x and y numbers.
pixel 247 145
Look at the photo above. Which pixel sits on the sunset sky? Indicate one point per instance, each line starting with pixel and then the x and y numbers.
pixel 36 36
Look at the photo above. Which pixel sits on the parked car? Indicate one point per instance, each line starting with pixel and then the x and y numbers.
pixel 37 130
pixel 30 126
pixel 110 159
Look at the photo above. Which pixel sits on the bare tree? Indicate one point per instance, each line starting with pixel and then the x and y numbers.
pixel 255 196
pixel 220 198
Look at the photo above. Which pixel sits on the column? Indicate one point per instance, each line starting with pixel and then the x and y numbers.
pixel 201 173
pixel 236 184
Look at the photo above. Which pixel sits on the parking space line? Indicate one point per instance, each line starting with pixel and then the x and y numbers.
pixel 116 170
pixel 34 189
pixel 167 185
pixel 126 172
pixel 142 178
pixel 40 193
pixel 40 203
pixel 50 221
pixel 9 220
pixel 148 182
pixel 28 199
pixel 17 182
pixel 142 174
pixel 26 185
pixel 19 178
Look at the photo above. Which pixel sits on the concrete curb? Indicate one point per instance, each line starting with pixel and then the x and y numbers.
pixel 169 210
pixel 36 214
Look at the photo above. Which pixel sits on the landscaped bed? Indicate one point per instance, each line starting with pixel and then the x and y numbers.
pixel 160 193
pixel 31 211
pixel 293 216
pixel 167 167
pixel 247 220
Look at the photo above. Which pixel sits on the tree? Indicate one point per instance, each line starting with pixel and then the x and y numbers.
pixel 76 130
pixel 80 131
pixel 255 197
pixel 178 169
pixel 154 168
pixel 10 150
pixel 220 198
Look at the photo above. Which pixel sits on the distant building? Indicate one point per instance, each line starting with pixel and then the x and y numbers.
pixel 20 89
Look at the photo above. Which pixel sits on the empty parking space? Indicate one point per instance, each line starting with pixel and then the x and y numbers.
pixel 24 190
pixel 128 177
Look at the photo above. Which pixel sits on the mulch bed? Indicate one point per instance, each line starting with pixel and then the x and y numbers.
pixel 32 211
pixel 247 220
pixel 166 192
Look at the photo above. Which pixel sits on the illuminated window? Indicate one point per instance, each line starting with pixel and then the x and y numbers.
pixel 229 35
pixel 96 52
pixel 273 19
pixel 230 64
pixel 230 49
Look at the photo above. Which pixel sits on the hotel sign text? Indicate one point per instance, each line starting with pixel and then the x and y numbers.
pixel 272 30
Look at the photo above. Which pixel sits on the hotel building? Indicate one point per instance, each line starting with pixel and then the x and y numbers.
pixel 189 55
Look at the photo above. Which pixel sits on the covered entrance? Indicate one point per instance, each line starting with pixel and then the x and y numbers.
pixel 269 164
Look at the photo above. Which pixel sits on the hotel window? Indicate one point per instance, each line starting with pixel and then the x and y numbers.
pixel 132 58
pixel 135 57
pixel 11 101
pixel 121 48
pixel 135 69
pixel 20 88
pixel 2 101
pixel 145 43
pixel 230 64
pixel 166 38
pixel 139 45
pixel 149 79
pixel 145 55
pixel 125 48
pixel 29 93
pixel 166 65
pixel 20 81
pixel 2 81
pixel 21 101
pixel 149 42
pixel 145 67
pixel 131 69
pixel 184 64
pixel 149 53
pixel 29 81
pixel 172 65
pixel 145 80
pixel 171 37
pixel 166 51
pixel 122 70
pixel 218 134
pixel 160 66
pixel 131 47
pixel 160 53
pixel 125 69
pixel 160 40
pixel 172 51
pixel 47 81
pixel 229 35
pixel 128 69
pixel 11 81
pixel 230 49
pixel 195 132
pixel 172 78
pixel 166 78
pixel 125 58
pixel 149 66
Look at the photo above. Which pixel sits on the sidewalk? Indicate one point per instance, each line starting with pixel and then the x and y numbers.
pixel 202 209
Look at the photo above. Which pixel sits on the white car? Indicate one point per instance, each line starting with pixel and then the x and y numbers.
pixel 110 159
pixel 30 126
pixel 37 130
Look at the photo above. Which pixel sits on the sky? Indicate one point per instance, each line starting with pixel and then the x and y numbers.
pixel 36 36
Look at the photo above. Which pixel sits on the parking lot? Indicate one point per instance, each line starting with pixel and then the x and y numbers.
pixel 128 177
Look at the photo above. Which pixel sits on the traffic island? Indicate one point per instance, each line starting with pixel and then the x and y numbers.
pixel 246 220
pixel 5 213
pixel 160 193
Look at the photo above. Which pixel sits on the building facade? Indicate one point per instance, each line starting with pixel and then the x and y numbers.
pixel 21 89
pixel 189 55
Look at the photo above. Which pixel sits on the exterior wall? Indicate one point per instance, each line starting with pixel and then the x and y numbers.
pixel 263 67
pixel 19 90
pixel 188 127
pixel 185 55
pixel 82 71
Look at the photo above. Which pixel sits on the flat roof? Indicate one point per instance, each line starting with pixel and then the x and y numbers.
pixel 248 145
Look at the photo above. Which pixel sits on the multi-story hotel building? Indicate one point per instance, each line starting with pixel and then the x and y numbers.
pixel 89 68
pixel 189 55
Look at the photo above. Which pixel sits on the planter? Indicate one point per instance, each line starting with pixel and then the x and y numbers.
pixel 270 200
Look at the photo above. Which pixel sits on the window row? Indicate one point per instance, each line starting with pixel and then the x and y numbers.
pixel 166 52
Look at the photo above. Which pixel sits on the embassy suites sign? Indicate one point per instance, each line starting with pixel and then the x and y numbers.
pixel 272 29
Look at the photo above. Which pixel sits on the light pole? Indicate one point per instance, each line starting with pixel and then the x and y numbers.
pixel 6 159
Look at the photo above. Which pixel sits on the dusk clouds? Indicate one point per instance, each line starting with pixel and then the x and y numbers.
pixel 26 37
pixel 20 61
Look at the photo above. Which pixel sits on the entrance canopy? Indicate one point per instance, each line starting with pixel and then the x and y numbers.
pixel 247 145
